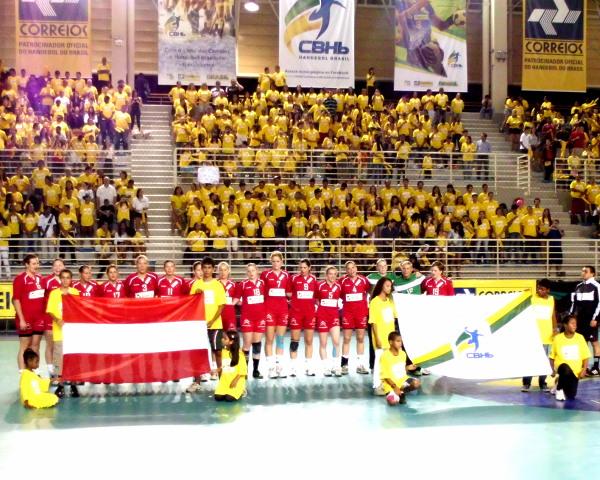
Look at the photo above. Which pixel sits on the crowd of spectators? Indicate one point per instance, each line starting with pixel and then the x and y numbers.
pixel 58 181
pixel 405 219
pixel 278 130
pixel 546 134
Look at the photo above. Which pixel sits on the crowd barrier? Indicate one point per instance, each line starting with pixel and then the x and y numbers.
pixel 500 171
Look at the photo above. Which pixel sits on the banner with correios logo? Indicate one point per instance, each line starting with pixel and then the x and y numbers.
pixel 316 42
pixel 196 42
pixel 477 337
pixel 431 45
pixel 554 45
pixel 53 34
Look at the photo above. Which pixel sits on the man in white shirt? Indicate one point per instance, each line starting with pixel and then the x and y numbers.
pixel 47 227
pixel 106 191
pixel 525 141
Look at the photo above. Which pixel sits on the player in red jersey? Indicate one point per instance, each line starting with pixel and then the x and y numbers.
pixel 170 284
pixel 51 282
pixel 228 313
pixel 355 289
pixel 251 293
pixel 328 295
pixel 277 288
pixel 302 315
pixel 30 307
pixel 113 287
pixel 86 286
pixel 142 283
pixel 437 284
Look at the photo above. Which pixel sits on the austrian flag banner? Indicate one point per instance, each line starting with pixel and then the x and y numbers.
pixel 134 340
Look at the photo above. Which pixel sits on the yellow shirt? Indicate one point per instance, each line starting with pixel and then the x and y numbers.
pixel 55 309
pixel 214 297
pixel 103 72
pixel 88 212
pixel 122 121
pixel 392 367
pixel 5 234
pixel 228 373
pixel 544 313
pixel 197 240
pixel 382 314
pixel 34 390
pixel 571 351
pixel 530 224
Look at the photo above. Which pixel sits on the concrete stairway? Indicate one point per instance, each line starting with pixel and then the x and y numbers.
pixel 152 170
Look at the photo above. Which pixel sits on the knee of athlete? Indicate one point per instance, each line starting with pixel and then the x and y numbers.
pixel 294 345
pixel 256 348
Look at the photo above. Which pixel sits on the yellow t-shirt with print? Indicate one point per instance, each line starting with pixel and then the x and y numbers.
pixel 214 297
pixel 55 309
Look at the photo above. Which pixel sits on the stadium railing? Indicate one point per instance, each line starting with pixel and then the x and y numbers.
pixel 509 256
pixel 499 170
pixel 564 174
pixel 58 160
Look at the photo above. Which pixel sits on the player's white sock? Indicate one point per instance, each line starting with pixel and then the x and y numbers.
pixel 279 360
pixel 51 369
pixel 362 360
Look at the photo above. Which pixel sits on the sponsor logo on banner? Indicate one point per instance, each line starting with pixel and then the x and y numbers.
pixel 316 44
pixel 430 45
pixel 554 50
pixel 53 32
pixel 197 42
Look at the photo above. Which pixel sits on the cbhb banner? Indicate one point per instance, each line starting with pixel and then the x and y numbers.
pixel 54 34
pixel 196 42
pixel 316 42
pixel 431 45
pixel 482 337
pixel 134 340
pixel 554 45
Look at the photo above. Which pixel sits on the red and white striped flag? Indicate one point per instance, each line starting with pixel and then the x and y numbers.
pixel 129 340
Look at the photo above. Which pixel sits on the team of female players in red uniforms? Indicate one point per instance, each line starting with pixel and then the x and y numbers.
pixel 270 304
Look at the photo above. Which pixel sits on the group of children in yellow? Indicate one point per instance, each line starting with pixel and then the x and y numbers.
pixel 273 129
pixel 69 116
pixel 209 215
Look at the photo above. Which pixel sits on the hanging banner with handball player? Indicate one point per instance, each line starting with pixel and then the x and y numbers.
pixel 197 41
pixel 53 34
pixel 477 337
pixel 554 45
pixel 316 42
pixel 134 340
pixel 431 45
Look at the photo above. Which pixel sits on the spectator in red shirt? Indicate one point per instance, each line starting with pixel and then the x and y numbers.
pixel 578 140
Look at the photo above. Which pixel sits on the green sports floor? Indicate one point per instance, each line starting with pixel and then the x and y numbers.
pixel 305 428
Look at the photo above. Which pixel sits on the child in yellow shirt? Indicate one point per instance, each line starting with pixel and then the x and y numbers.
pixel 34 389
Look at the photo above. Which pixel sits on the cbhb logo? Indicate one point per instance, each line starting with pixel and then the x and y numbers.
pixel 64 10
pixel 469 342
pixel 554 19
pixel 307 15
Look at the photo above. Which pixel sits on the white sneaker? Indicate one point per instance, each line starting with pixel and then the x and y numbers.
pixel 272 372
pixel 379 391
pixel 560 396
pixel 292 371
pixel 310 372
pixel 205 377
pixel 362 370
pixel 337 371
pixel 424 371
pixel 327 372
pixel 345 370
pixel 193 388
pixel 280 371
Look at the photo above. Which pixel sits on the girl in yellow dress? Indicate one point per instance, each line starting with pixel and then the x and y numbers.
pixel 234 370
pixel 34 389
